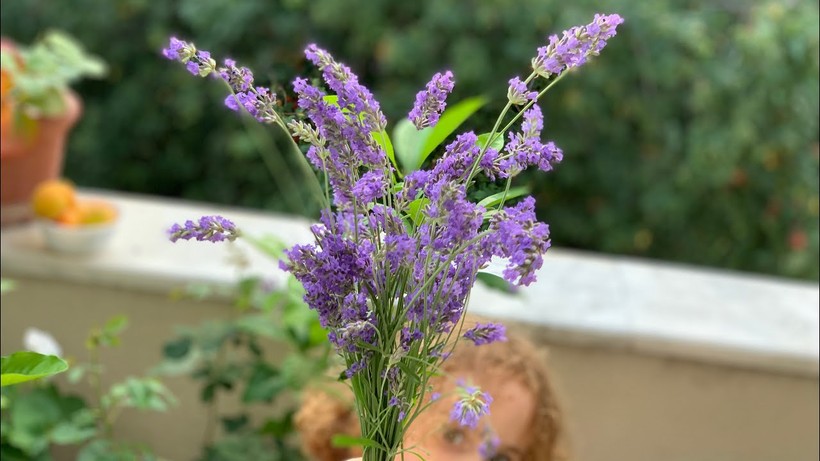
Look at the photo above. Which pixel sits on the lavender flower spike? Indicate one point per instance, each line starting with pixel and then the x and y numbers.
pixel 197 62
pixel 430 102
pixel 210 228
pixel 576 46
pixel 517 92
pixel 486 333
pixel 472 405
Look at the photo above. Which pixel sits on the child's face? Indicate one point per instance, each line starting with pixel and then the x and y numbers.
pixel 512 411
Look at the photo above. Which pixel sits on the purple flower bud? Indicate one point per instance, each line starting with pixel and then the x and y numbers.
pixel 175 49
pixel 472 405
pixel 430 103
pixel 210 228
pixel 517 92
pixel 486 333
pixel 489 445
pixel 370 186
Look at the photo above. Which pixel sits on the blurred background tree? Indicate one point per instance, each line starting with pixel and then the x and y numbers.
pixel 694 138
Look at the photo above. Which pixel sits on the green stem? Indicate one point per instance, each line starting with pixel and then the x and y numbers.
pixel 496 132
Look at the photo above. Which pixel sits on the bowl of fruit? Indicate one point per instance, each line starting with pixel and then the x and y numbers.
pixel 72 224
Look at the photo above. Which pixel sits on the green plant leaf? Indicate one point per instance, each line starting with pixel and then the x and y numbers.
pixel 68 433
pixel 450 120
pixel 415 209
pixel 233 424
pixel 177 349
pixel 408 144
pixel 140 393
pixel 414 146
pixel 264 384
pixel 495 199
pixel 497 144
pixel 115 325
pixel 25 366
pixel 495 282
pixel 383 140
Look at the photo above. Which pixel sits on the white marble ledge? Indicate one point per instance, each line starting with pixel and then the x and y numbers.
pixel 583 298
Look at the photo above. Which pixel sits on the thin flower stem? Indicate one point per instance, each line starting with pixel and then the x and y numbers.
pixel 495 132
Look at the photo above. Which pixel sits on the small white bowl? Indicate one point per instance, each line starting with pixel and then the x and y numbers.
pixel 77 240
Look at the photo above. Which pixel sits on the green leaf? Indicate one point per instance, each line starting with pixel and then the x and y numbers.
pixel 415 209
pixel 414 146
pixel 331 99
pixel 115 325
pixel 344 441
pixel 409 142
pixel 449 122
pixel 497 144
pixel 383 140
pixel 233 424
pixel 495 282
pixel 177 349
pixel 495 199
pixel 264 384
pixel 140 393
pixel 278 427
pixel 68 433
pixel 26 366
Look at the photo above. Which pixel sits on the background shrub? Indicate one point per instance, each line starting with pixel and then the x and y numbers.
pixel 693 138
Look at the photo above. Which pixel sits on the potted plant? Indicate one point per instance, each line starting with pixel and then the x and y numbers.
pixel 38 110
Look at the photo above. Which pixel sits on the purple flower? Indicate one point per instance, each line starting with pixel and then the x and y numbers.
pixel 370 186
pixel 344 143
pixel 176 50
pixel 575 46
pixel 486 333
pixel 258 101
pixel 517 92
pixel 430 102
pixel 525 149
pixel 392 262
pixel 208 228
pixel 516 235
pixel 472 405
pixel 489 445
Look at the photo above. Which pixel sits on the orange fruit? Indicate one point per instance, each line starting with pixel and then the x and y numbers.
pixel 97 212
pixel 71 217
pixel 52 198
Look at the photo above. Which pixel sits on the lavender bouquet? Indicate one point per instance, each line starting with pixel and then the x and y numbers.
pixel 398 249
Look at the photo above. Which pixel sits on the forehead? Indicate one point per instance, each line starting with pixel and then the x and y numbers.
pixel 512 411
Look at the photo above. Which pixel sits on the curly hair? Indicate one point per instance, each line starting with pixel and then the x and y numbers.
pixel 323 415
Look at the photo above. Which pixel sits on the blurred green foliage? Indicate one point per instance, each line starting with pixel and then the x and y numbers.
pixel 693 138
pixel 226 356
pixel 38 416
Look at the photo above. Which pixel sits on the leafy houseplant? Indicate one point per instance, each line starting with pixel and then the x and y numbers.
pixel 38 110
pixel 227 355
pixel 399 248
pixel 36 418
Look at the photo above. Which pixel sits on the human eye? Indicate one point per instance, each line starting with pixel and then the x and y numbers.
pixel 454 436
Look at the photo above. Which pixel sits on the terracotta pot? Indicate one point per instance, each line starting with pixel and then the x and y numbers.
pixel 27 160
